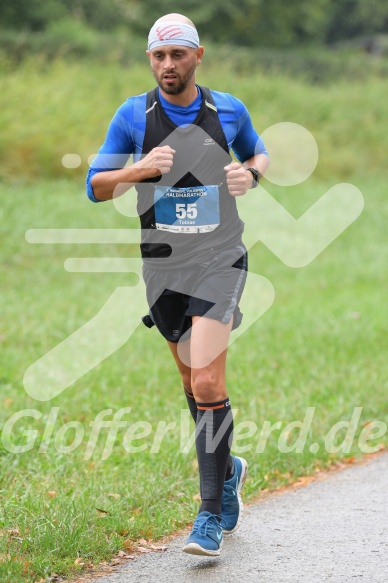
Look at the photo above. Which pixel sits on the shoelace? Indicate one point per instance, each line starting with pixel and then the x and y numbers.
pixel 209 523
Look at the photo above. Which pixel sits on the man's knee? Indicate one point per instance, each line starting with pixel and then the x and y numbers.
pixel 207 386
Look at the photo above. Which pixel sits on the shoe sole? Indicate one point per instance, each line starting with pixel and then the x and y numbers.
pixel 196 549
pixel 243 476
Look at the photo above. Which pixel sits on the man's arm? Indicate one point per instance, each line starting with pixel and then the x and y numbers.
pixel 249 149
pixel 239 179
pixel 108 177
pixel 113 183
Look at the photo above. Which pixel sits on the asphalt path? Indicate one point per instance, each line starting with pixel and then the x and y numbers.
pixel 335 529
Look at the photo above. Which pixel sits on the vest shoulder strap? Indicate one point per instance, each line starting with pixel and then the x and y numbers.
pixel 208 97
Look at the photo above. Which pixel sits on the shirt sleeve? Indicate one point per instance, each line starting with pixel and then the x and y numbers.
pixel 247 143
pixel 116 149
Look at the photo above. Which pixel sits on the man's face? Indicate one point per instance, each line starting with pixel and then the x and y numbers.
pixel 173 67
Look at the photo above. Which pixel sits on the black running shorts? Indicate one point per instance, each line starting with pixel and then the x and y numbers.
pixel 211 288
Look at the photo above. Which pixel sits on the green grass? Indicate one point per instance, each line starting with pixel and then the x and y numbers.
pixel 322 344
pixel 69 105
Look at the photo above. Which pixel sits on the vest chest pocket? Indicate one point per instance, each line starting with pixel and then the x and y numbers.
pixel 194 209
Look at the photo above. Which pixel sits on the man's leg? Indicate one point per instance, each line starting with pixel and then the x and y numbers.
pixel 214 417
pixel 185 372
pixel 214 427
pixel 205 387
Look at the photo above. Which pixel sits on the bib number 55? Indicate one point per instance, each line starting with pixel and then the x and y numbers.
pixel 186 211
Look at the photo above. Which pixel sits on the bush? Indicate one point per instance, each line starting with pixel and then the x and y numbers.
pixel 68 105
pixel 71 39
pixel 66 36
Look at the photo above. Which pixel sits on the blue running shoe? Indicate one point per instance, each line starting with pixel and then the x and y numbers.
pixel 206 535
pixel 232 506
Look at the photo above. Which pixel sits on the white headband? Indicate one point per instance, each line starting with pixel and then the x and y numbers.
pixel 170 32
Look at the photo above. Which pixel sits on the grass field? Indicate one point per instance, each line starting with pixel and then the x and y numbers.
pixel 322 344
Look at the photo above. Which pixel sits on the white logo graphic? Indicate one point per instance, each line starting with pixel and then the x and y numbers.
pixel 295 241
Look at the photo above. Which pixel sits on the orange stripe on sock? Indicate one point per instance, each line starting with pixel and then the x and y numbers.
pixel 206 408
pixel 191 395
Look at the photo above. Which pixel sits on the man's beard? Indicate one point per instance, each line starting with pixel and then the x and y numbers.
pixel 182 82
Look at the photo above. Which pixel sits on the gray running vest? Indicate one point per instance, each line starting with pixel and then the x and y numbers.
pixel 187 212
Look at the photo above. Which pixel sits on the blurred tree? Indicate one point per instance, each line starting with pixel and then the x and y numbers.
pixel 103 15
pixel 31 15
pixel 284 24
pixel 275 23
pixel 351 18
pixel 247 22
pixel 36 15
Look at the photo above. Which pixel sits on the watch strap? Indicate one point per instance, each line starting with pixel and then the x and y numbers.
pixel 255 175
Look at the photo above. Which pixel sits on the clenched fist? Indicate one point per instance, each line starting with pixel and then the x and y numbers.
pixel 238 179
pixel 159 160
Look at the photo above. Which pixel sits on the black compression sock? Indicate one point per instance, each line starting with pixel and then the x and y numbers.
pixel 229 468
pixel 213 439
pixel 193 410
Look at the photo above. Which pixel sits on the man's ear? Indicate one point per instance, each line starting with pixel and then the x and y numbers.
pixel 200 52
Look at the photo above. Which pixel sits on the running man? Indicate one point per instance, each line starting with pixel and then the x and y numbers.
pixel 194 262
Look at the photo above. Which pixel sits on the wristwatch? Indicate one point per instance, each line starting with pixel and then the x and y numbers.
pixel 256 176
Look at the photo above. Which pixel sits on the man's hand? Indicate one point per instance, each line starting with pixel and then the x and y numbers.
pixel 158 161
pixel 238 179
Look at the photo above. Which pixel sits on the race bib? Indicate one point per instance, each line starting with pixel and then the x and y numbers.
pixel 193 209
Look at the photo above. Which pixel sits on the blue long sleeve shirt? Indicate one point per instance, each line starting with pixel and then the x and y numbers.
pixel 126 131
